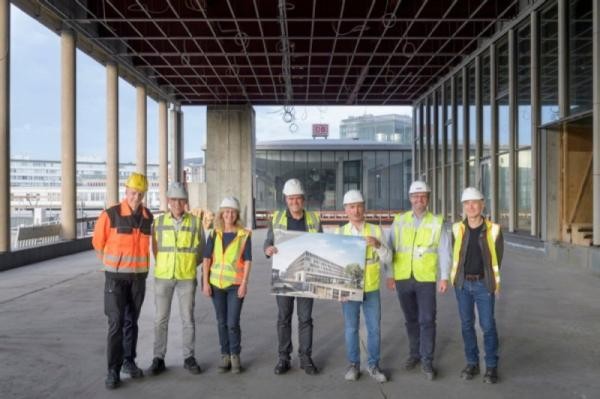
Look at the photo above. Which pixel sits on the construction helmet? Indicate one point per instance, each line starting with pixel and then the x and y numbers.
pixel 471 193
pixel 137 182
pixel 177 191
pixel 293 187
pixel 418 186
pixel 352 197
pixel 230 202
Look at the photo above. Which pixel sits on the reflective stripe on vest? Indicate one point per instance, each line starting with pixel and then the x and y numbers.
pixel 313 223
pixel 492 232
pixel 177 251
pixel 416 250
pixel 227 266
pixel 372 268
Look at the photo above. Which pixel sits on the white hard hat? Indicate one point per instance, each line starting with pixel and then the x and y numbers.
pixel 471 193
pixel 419 186
pixel 230 202
pixel 177 191
pixel 352 197
pixel 293 187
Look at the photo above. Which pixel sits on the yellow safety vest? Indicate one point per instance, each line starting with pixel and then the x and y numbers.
pixel 492 232
pixel 313 223
pixel 177 254
pixel 372 268
pixel 416 250
pixel 227 266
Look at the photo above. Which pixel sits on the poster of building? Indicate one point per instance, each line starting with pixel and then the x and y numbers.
pixel 318 265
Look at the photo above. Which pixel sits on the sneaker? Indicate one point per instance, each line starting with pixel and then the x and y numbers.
pixel 191 365
pixel 377 375
pixel 236 366
pixel 282 366
pixel 429 371
pixel 491 375
pixel 470 371
pixel 352 373
pixel 157 366
pixel 411 363
pixel 112 379
pixel 225 364
pixel 129 367
pixel 308 366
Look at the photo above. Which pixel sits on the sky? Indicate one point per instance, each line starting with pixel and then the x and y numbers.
pixel 35 105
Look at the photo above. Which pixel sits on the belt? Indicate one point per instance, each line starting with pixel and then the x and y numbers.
pixel 473 277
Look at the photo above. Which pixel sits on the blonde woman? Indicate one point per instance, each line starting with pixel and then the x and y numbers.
pixel 226 267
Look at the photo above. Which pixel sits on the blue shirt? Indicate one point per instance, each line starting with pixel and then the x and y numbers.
pixel 227 239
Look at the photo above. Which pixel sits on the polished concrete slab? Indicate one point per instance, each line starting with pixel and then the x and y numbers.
pixel 53 331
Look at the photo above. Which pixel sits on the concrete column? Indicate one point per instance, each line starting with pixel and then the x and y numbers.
pixel 444 146
pixel 494 143
pixel 435 160
pixel 163 154
pixel 596 127
pixel 478 122
pixel 453 177
pixel 465 116
pixel 141 131
pixel 68 213
pixel 427 139
pixel 5 126
pixel 512 124
pixel 563 79
pixel 230 166
pixel 112 134
pixel 535 122
pixel 176 142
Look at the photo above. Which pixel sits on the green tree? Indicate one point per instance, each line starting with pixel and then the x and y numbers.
pixel 355 272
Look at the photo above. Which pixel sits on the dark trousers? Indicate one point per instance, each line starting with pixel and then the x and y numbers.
pixel 285 304
pixel 418 302
pixel 228 308
pixel 123 299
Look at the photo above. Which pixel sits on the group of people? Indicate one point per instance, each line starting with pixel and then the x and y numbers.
pixel 418 256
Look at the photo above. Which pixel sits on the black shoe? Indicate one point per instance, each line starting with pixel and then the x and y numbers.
pixel 411 363
pixel 129 367
pixel 308 366
pixel 470 371
pixel 282 366
pixel 191 365
pixel 491 375
pixel 112 379
pixel 157 366
pixel 429 371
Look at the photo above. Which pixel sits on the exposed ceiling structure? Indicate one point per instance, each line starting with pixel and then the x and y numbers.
pixel 288 52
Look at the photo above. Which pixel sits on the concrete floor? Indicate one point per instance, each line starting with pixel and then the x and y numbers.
pixel 53 331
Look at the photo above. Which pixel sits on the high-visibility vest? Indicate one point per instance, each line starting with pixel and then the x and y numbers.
pixel 121 242
pixel 373 267
pixel 177 252
pixel 313 223
pixel 492 232
pixel 416 250
pixel 227 266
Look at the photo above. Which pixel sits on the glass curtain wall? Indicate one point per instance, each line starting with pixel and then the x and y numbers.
pixel 503 131
pixel 523 134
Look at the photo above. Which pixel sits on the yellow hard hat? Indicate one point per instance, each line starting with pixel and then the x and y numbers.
pixel 138 182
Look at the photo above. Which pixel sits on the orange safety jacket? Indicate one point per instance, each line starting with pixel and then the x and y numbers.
pixel 122 244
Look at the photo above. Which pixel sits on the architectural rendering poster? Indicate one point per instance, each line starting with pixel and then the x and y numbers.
pixel 317 265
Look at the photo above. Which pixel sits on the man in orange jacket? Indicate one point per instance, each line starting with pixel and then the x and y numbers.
pixel 122 241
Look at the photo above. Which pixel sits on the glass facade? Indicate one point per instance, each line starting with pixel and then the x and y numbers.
pixel 549 64
pixel 580 56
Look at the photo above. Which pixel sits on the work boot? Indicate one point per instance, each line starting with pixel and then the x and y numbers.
pixel 352 373
pixel 411 362
pixel 225 364
pixel 470 371
pixel 282 367
pixel 112 379
pixel 308 366
pixel 236 366
pixel 429 371
pixel 157 366
pixel 491 375
pixel 191 365
pixel 377 375
pixel 129 367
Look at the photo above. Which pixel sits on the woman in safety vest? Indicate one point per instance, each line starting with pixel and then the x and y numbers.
pixel 226 267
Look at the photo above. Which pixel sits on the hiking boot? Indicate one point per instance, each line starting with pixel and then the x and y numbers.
pixel 377 375
pixel 112 379
pixel 282 367
pixel 225 364
pixel 411 363
pixel 129 367
pixel 429 371
pixel 308 366
pixel 191 365
pixel 157 366
pixel 491 375
pixel 470 371
pixel 236 366
pixel 352 373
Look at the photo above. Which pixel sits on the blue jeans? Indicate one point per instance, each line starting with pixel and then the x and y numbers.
pixel 228 308
pixel 371 305
pixel 475 293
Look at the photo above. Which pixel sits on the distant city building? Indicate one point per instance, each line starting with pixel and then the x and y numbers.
pixel 387 128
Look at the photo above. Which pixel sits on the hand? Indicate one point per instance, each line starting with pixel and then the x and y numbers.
pixel 372 241
pixel 242 290
pixel 206 290
pixel 391 284
pixel 443 286
pixel 270 251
